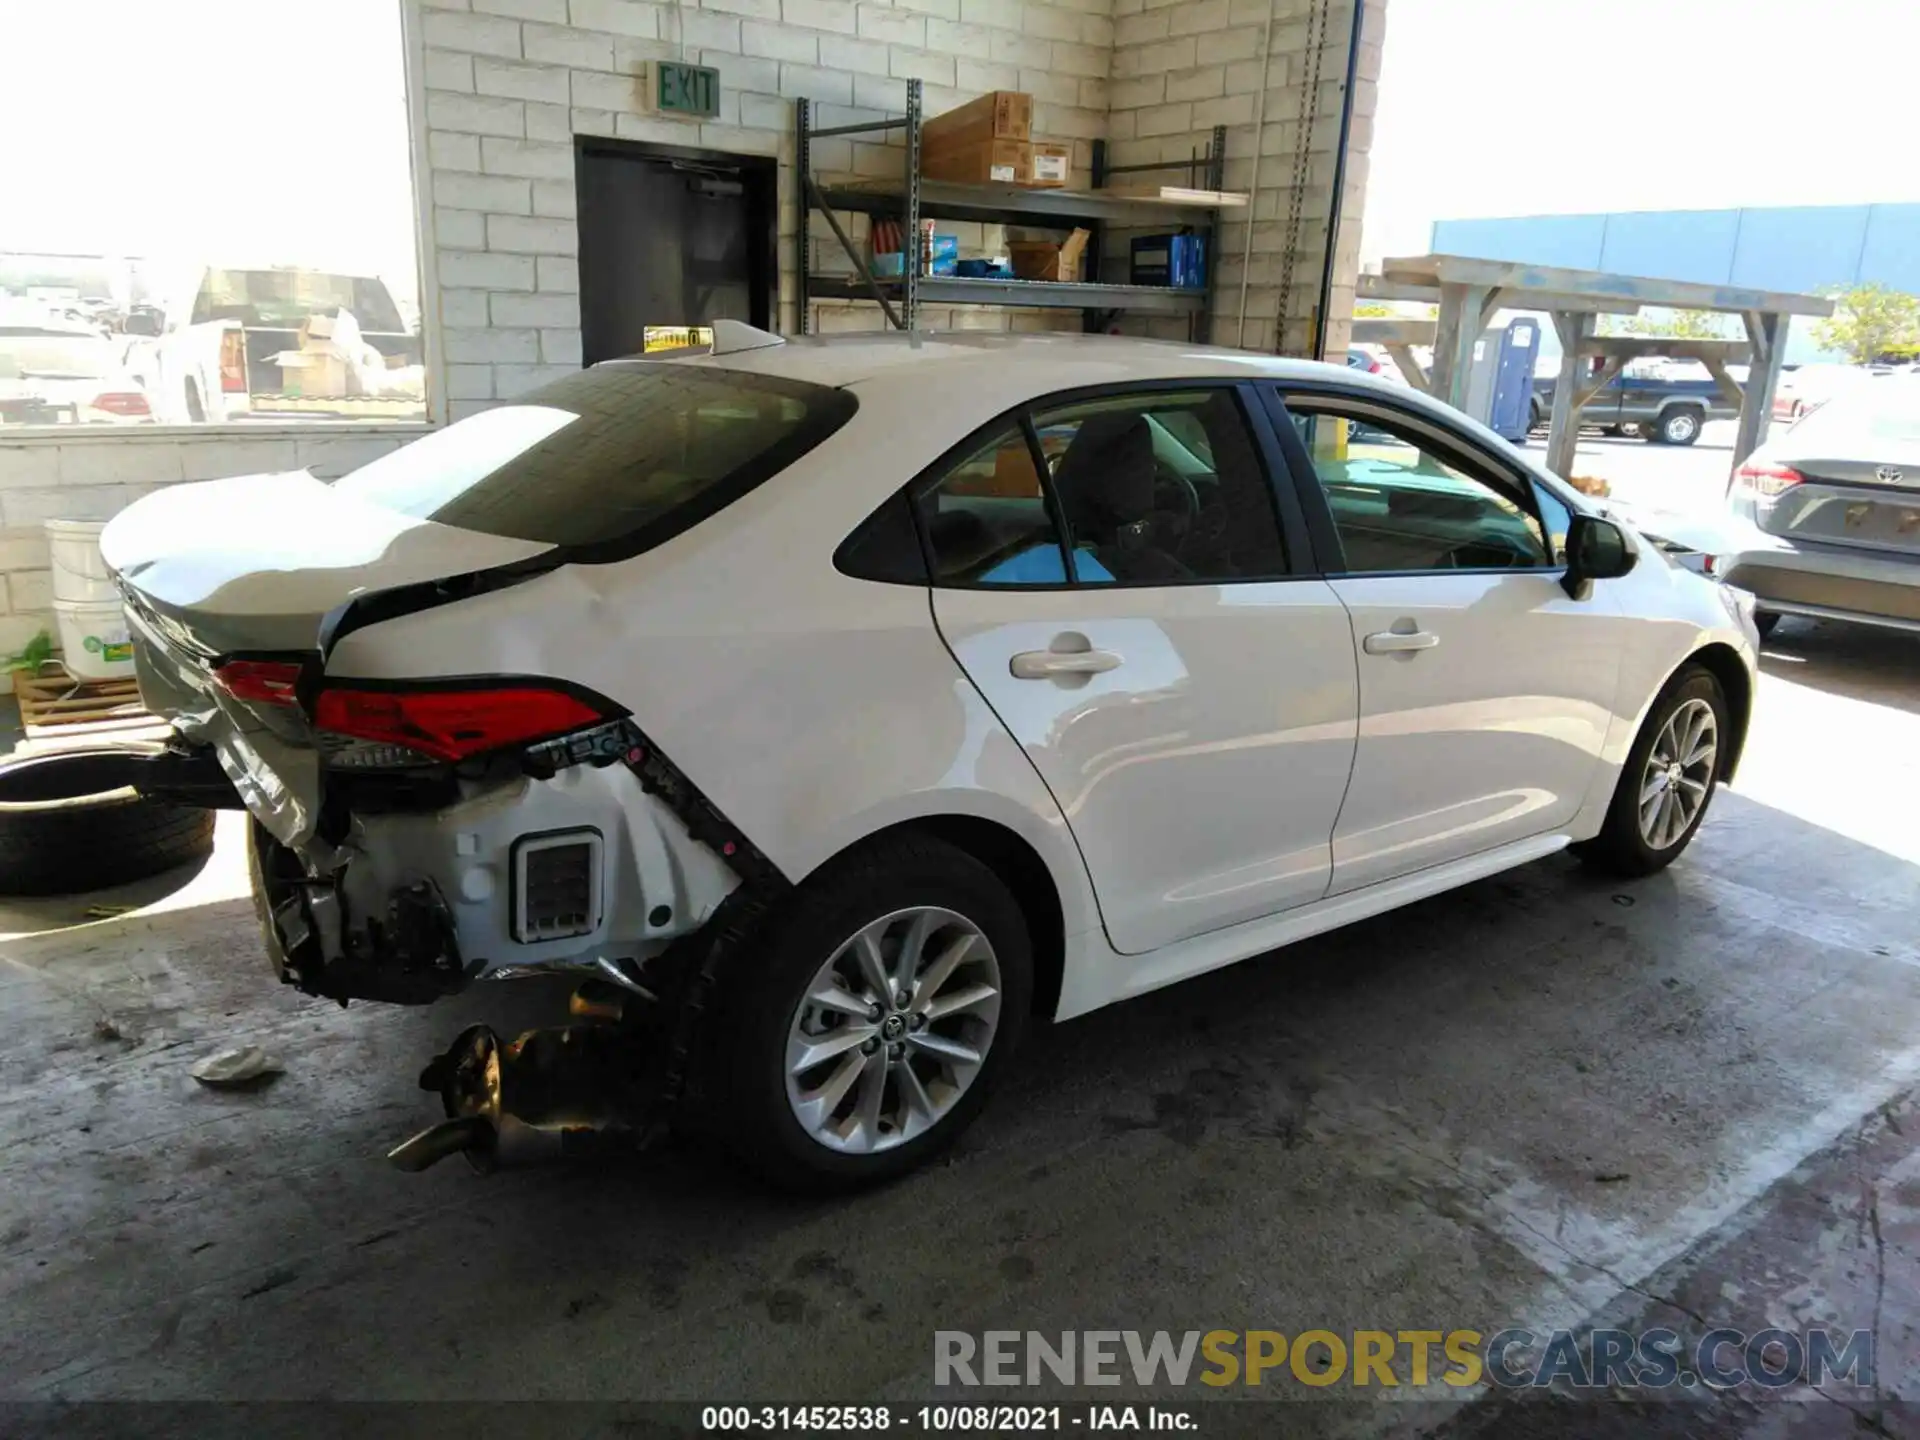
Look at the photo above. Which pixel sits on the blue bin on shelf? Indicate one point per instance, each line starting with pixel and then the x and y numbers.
pixel 1178 259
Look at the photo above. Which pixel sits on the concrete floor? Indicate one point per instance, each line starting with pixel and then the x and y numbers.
pixel 1540 1100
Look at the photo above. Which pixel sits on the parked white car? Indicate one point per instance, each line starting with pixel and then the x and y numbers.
pixel 860 699
pixel 56 369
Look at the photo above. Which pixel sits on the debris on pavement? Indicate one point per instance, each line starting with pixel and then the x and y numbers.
pixel 105 1029
pixel 246 1068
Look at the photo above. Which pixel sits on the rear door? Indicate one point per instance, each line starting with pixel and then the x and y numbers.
pixel 1113 575
pixel 1485 690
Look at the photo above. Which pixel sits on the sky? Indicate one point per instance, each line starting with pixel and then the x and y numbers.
pixel 237 132
pixel 1505 107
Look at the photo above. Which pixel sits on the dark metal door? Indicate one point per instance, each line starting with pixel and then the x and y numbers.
pixel 669 239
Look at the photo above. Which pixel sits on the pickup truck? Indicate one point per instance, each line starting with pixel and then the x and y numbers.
pixel 1664 411
pixel 208 350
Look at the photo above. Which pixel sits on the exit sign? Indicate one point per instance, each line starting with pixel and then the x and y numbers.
pixel 681 89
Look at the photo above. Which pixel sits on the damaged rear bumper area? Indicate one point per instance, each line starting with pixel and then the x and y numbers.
pixel 597 857
pixel 552 865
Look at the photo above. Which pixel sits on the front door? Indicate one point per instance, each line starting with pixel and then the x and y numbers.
pixel 1111 575
pixel 1485 689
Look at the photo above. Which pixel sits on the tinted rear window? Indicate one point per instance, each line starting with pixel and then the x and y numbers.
pixel 610 461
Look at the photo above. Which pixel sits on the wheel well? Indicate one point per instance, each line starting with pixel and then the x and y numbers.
pixel 1021 869
pixel 1724 665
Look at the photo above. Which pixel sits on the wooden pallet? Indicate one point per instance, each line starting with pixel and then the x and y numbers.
pixel 56 704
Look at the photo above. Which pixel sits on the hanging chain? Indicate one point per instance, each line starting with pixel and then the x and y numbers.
pixel 1302 166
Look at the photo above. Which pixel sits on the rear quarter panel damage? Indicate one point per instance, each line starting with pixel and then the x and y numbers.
pixel 812 708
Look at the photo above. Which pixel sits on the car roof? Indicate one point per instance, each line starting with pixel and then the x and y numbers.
pixel 974 376
pixel 1052 361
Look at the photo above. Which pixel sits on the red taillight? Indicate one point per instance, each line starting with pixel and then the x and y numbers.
pixel 264 682
pixel 122 402
pixel 233 362
pixel 451 724
pixel 1766 479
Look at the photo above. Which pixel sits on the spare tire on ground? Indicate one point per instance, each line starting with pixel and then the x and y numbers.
pixel 71 821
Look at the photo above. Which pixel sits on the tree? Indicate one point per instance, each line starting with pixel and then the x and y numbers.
pixel 1870 321
pixel 1669 324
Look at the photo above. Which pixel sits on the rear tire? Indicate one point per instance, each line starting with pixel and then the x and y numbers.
pixel 1680 426
pixel 196 409
pixel 772 1010
pixel 71 821
pixel 1641 835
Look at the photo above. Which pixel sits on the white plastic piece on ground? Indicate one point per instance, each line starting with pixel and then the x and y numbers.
pixel 78 571
pixel 232 1068
pixel 93 639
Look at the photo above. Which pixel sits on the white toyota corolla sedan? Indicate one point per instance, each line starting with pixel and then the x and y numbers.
pixel 842 705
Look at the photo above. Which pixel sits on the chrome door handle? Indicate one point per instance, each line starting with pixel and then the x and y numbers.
pixel 1396 642
pixel 1049 664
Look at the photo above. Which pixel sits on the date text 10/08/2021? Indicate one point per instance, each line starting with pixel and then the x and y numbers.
pixel 942 1419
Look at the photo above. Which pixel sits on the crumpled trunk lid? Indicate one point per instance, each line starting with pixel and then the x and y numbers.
pixel 255 567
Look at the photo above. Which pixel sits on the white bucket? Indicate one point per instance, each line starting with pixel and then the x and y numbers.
pixel 79 574
pixel 93 639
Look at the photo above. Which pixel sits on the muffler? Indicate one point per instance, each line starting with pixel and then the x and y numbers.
pixel 555 1092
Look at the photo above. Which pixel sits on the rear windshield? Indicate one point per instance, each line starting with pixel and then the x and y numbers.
pixel 610 461
pixel 283 299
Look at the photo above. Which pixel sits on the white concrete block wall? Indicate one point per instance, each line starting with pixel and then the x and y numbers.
pixel 510 83
pixel 1181 68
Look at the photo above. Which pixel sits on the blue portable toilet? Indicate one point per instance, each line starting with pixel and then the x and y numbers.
pixel 1500 388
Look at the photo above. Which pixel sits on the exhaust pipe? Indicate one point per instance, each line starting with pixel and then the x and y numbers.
pixel 553 1092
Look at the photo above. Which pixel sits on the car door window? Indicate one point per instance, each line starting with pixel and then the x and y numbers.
pixel 1162 488
pixel 987 520
pixel 1402 503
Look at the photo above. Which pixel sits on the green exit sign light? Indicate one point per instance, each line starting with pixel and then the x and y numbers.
pixel 687 89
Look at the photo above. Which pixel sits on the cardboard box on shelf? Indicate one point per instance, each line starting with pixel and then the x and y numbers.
pixel 997 115
pixel 990 162
pixel 1052 165
pixel 1045 260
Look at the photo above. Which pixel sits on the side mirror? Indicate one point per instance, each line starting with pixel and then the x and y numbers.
pixel 1597 549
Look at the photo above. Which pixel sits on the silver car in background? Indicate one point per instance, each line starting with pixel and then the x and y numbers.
pixel 1827 516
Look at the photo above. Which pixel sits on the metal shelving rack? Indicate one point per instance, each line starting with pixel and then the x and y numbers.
pixel 916 198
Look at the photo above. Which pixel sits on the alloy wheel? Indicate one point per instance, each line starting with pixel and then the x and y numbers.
pixel 892 1030
pixel 1679 774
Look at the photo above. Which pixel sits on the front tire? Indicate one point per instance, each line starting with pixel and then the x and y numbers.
pixel 890 992
pixel 1668 781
